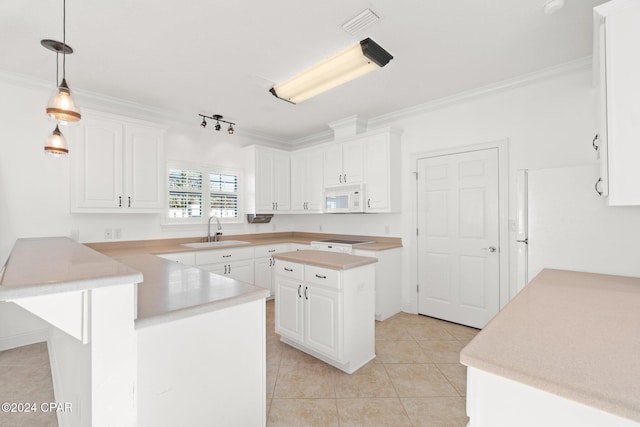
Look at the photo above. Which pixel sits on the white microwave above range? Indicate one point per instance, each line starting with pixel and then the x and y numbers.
pixel 344 199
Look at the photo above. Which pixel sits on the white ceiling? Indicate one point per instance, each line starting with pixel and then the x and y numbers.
pixel 215 57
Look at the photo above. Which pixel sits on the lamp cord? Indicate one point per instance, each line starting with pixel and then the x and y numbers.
pixel 64 39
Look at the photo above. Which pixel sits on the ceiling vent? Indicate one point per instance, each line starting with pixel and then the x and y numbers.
pixel 360 21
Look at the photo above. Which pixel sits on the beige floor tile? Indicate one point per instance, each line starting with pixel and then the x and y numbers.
pixel 376 412
pixel 436 411
pixel 305 381
pixel 442 351
pixel 456 373
pixel 371 380
pixel 429 332
pixel 272 375
pixel 419 380
pixel 274 349
pixel 462 333
pixel 399 352
pixel 293 356
pixel 303 413
pixel 27 355
pixel 391 329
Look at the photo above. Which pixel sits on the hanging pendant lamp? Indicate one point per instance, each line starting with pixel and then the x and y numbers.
pixel 61 105
pixel 56 144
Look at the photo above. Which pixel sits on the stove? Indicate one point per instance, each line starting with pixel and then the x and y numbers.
pixel 338 245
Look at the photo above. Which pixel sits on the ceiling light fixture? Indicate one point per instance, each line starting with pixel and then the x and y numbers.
pixel 218 126
pixel 340 68
pixel 56 144
pixel 61 105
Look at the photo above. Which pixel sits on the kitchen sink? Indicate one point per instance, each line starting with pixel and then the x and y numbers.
pixel 214 244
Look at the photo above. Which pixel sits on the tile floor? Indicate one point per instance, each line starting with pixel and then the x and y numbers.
pixel 415 380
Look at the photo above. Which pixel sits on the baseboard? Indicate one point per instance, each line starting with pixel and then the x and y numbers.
pixel 25 338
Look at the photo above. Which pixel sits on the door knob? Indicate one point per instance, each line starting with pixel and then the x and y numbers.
pixel 491 249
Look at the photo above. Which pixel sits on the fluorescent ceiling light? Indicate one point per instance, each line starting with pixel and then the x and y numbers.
pixel 340 68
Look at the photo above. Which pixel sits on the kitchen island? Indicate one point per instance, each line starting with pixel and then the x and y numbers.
pixel 142 341
pixel 564 352
pixel 325 306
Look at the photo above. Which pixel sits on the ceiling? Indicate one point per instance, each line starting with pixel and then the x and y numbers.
pixel 215 57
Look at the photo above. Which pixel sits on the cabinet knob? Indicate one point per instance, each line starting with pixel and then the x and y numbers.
pixel 119 201
pixel 369 203
pixel 129 201
pixel 299 287
pixel 306 293
pixel 321 276
pixel 593 143
pixel 288 269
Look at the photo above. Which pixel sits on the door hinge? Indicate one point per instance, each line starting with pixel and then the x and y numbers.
pixel 416 174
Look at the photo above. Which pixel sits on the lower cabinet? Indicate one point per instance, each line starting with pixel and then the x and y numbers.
pixel 327 313
pixel 238 270
pixel 264 263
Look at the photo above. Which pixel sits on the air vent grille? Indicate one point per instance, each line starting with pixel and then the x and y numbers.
pixel 360 21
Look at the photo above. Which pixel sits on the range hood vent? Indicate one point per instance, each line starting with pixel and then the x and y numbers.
pixel 259 218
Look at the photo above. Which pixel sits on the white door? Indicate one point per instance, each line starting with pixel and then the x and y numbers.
pixel 289 308
pixel 144 166
pixel 321 320
pixel 458 236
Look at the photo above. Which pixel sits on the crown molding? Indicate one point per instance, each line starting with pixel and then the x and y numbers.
pixel 110 104
pixel 567 68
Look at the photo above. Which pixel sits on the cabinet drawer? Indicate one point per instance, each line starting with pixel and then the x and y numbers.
pixel 322 276
pixel 223 255
pixel 290 270
pixel 268 250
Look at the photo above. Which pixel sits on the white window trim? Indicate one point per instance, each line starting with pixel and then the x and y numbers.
pixel 207 169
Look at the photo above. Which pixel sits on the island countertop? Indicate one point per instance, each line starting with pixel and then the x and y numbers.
pixel 44 266
pixel 331 260
pixel 171 290
pixel 571 334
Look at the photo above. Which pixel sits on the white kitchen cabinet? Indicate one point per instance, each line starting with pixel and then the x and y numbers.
pixel 307 183
pixel 118 166
pixel 388 281
pixel 326 313
pixel 187 258
pixel 264 263
pixel 343 162
pixel 382 172
pixel 616 68
pixel 269 173
pixel 236 263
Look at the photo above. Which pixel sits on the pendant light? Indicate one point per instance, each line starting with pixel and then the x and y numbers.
pixel 56 144
pixel 61 106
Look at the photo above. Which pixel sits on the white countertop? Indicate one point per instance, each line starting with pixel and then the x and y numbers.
pixel 171 290
pixel 573 334
pixel 42 266
pixel 331 260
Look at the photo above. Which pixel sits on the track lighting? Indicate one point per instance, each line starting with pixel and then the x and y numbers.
pixel 218 126
pixel 61 105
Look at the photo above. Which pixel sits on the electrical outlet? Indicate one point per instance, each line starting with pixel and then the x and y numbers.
pixel 117 233
pixel 108 233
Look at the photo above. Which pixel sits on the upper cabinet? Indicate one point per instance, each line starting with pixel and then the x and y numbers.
pixel 382 171
pixel 117 166
pixel 307 183
pixel 616 68
pixel 343 162
pixel 269 176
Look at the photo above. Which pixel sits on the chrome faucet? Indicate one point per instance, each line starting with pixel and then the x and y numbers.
pixel 218 233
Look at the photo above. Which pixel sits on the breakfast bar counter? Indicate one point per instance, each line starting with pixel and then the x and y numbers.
pixel 568 337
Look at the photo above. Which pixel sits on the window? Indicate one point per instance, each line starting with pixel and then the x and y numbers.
pixel 198 191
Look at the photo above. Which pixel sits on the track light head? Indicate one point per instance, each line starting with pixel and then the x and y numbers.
pixel 230 130
pixel 204 123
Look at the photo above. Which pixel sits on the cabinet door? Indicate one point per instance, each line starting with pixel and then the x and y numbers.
pixel 377 173
pixel 241 271
pixel 333 165
pixel 314 181
pixel 322 320
pixel 352 161
pixel 144 168
pixel 288 308
pixel 97 165
pixel 265 190
pixel 282 182
pixel 298 181
pixel 262 273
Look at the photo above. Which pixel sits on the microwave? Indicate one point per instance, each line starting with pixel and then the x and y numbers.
pixel 344 199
